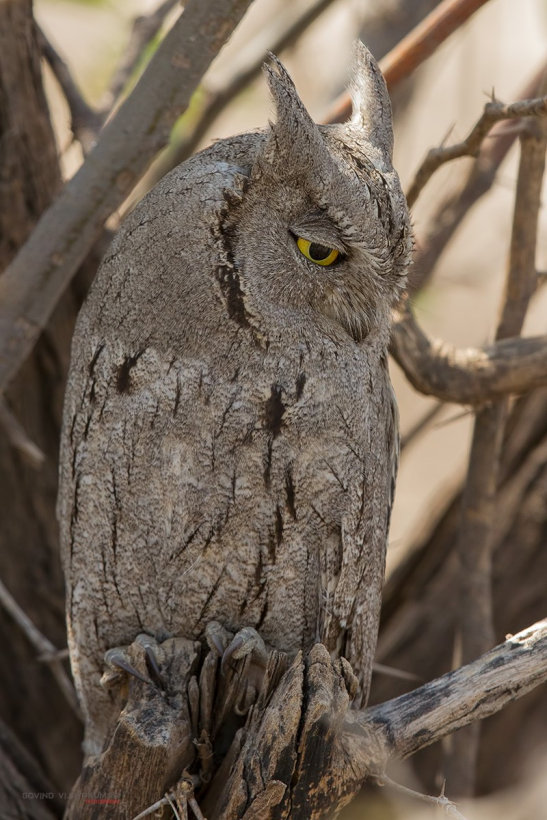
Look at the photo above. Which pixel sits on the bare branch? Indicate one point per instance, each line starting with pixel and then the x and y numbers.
pixel 41 643
pixel 416 47
pixel 475 541
pixel 471 375
pixel 416 719
pixel 17 436
pixel 442 802
pixel 85 122
pixel 422 424
pixel 478 180
pixel 493 112
pixel 32 284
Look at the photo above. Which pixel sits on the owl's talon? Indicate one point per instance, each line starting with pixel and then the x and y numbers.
pixel 153 668
pixel 218 638
pixel 148 645
pixel 246 642
pixel 116 659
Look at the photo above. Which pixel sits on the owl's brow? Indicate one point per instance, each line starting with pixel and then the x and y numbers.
pixel 316 226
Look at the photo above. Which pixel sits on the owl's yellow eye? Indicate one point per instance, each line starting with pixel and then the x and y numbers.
pixel 320 254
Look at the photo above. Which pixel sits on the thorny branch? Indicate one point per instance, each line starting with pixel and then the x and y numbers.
pixel 455 207
pixel 494 111
pixel 475 541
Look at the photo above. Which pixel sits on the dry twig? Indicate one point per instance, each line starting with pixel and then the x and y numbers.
pixel 471 375
pixel 478 180
pixel 85 122
pixel 494 111
pixel 17 436
pixel 42 644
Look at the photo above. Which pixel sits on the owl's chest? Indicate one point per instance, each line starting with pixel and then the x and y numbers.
pixel 321 418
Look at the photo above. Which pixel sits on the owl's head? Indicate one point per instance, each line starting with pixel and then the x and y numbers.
pixel 321 227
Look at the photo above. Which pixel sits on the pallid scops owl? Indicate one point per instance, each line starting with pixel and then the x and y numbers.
pixel 230 434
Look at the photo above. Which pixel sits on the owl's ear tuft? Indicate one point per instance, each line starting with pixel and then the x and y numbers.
pixel 371 103
pixel 294 133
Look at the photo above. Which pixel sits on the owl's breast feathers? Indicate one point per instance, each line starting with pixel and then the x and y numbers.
pixel 251 488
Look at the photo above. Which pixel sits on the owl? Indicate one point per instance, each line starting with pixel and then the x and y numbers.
pixel 229 442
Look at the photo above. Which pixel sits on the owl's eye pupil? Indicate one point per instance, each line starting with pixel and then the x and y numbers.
pixel 318 252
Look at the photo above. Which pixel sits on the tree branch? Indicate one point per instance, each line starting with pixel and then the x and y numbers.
pixel 456 206
pixel 85 122
pixel 471 375
pixel 248 66
pixel 32 284
pixel 143 31
pixel 475 540
pixel 493 112
pixel 416 719
pixel 415 48
pixel 42 644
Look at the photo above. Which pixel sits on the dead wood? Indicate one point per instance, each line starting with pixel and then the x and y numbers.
pixel 302 751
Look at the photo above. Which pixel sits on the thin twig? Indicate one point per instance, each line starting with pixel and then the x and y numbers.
pixel 417 429
pixel 32 284
pixel 17 436
pixel 85 122
pixel 41 643
pixel 159 804
pixel 467 376
pixel 494 112
pixel 453 209
pixel 391 672
pixel 441 801
pixel 475 540
pixel 416 47
pixel 144 29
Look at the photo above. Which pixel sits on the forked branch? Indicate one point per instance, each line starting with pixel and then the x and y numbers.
pixel 494 111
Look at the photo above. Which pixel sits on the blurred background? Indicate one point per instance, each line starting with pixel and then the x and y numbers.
pixel 500 51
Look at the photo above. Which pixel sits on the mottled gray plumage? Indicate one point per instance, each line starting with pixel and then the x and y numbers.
pixel 230 433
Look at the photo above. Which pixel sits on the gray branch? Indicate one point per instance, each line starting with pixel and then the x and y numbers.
pixel 32 284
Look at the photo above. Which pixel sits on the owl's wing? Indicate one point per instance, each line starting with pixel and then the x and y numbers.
pixel 357 593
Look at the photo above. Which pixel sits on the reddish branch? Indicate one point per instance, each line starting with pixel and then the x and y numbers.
pixel 416 47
